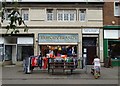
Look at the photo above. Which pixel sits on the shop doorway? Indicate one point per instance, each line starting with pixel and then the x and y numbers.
pixel 10 53
pixel 89 49
pixel 24 51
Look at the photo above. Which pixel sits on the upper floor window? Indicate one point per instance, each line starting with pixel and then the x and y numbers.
pixel 49 14
pixel 66 15
pixel 25 14
pixel 116 8
pixel 7 13
pixel 82 15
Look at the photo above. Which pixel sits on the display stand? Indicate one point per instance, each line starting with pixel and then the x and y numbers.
pixel 60 65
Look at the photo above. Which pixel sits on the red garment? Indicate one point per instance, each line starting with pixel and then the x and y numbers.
pixel 34 61
pixel 45 60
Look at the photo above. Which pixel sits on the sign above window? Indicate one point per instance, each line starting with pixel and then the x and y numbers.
pixel 25 40
pixel 111 34
pixel 56 0
pixel 90 31
pixel 49 38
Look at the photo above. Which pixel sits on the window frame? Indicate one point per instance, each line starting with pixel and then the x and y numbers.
pixel 82 14
pixel 7 13
pixel 67 13
pixel 118 13
pixel 47 13
pixel 22 14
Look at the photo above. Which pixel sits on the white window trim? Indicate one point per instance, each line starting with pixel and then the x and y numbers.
pixel 66 11
pixel 6 12
pixel 28 14
pixel 60 12
pixel 80 17
pixel 47 16
pixel 115 9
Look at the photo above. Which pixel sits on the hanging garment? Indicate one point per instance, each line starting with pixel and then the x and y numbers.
pixel 34 61
pixel 40 61
pixel 45 63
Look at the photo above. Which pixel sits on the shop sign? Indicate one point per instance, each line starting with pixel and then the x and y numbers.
pixel 57 38
pixel 90 31
pixel 119 33
pixel 25 40
pixel 111 34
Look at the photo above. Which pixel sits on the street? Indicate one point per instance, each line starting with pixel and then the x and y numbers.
pixel 15 75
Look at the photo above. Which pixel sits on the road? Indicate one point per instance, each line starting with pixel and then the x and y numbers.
pixel 15 75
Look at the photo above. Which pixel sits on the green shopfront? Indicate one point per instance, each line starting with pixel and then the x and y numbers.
pixel 112 44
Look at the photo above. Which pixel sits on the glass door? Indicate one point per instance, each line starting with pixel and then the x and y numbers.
pixel 8 52
pixel 1 52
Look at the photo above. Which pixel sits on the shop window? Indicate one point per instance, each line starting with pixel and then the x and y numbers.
pixel 49 14
pixel 1 52
pixel 8 52
pixel 114 49
pixel 116 8
pixel 58 50
pixel 24 51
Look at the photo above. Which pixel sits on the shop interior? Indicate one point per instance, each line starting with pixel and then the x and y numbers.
pixel 58 50
pixel 114 49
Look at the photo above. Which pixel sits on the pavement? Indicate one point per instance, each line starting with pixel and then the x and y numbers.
pixel 14 75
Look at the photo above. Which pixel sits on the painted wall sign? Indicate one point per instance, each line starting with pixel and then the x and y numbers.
pixel 90 31
pixel 57 38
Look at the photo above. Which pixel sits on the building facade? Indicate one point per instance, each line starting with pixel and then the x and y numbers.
pixel 111 27
pixel 55 26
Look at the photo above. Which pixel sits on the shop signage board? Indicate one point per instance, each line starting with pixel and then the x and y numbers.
pixel 111 34
pixel 90 31
pixel 55 0
pixel 25 40
pixel 47 38
pixel 119 33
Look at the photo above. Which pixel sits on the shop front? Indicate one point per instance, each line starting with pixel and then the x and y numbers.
pixel 58 48
pixel 25 47
pixel 16 47
pixel 112 44
pixel 90 44
pixel 58 44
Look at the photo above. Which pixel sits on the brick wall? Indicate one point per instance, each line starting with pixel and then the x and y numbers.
pixel 108 13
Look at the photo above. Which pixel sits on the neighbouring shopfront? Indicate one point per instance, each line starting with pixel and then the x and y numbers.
pixel 16 47
pixel 90 46
pixel 1 49
pixel 58 44
pixel 25 47
pixel 112 44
